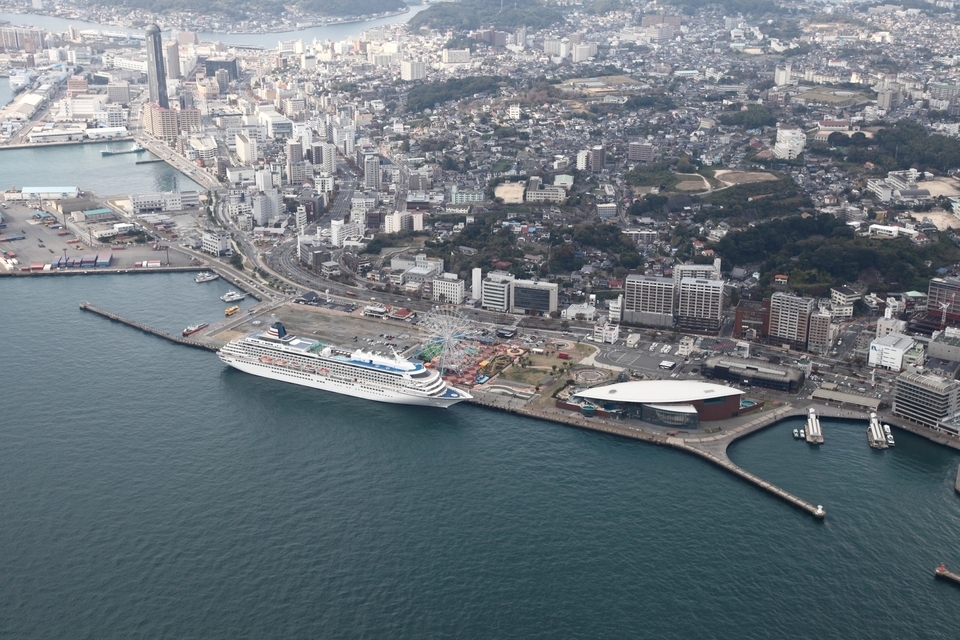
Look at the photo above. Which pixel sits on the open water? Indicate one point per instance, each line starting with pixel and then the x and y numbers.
pixel 82 165
pixel 149 491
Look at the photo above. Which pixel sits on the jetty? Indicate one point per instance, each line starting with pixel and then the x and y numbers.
pixel 151 161
pixel 956 486
pixel 814 433
pixel 86 306
pixel 946 574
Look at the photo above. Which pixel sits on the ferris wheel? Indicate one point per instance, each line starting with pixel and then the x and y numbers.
pixel 446 333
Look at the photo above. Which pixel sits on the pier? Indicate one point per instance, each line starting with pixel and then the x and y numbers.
pixel 956 486
pixel 86 306
pixel 946 574
pixel 154 160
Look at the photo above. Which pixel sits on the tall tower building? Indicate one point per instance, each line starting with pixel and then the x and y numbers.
pixel 172 52
pixel 156 75
pixel 371 172
pixel 790 319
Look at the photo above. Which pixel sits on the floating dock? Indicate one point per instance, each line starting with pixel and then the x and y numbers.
pixel 814 433
pixel 946 574
pixel 875 435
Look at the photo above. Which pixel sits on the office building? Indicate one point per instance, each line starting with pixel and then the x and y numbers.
pixel 790 319
pixel 928 400
pixel 649 300
pixel 532 297
pixel 448 289
pixel 598 158
pixel 156 74
pixel 495 291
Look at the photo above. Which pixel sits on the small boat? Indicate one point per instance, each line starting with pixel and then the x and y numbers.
pixel 803 434
pixel 890 442
pixel 207 276
pixel 886 429
pixel 192 329
pixel 796 434
pixel 233 296
pixel 231 310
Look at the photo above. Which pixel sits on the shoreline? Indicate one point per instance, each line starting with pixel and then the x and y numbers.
pixel 320 22
pixel 67 143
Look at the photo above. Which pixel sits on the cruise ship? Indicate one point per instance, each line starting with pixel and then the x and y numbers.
pixel 278 355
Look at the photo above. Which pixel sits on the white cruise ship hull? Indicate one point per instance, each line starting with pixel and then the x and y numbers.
pixel 315 381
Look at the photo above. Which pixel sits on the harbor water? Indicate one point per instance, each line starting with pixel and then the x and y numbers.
pixel 333 32
pixel 150 491
pixel 83 166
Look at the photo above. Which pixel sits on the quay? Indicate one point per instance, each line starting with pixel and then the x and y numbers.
pixel 956 486
pixel 86 306
pixel 946 574
pixel 153 161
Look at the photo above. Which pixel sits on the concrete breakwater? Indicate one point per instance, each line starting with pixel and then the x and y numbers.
pixel 86 306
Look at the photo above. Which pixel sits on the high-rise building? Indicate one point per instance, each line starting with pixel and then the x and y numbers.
pixel 820 332
pixel 371 172
pixel 702 271
pixel 700 305
pixel 598 158
pixel 156 75
pixel 790 319
pixel 172 52
pixel 641 152
pixel 648 300
pixel 495 291
pixel 412 70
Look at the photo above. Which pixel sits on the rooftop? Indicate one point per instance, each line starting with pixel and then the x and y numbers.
pixel 658 391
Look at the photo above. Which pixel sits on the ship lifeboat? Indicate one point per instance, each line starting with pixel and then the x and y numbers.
pixel 266 359
pixel 280 363
pixel 293 365
pixel 309 369
pixel 323 371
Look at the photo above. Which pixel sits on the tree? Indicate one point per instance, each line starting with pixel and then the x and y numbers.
pixel 236 260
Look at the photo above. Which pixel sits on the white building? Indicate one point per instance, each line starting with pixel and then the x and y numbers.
pixel 790 143
pixel 413 70
pixel 606 333
pixel 246 148
pixel 455 56
pixel 449 289
pixel 215 243
pixel 165 201
pixel 580 311
pixel 887 352
pixel 476 284
pixel 495 291
pixel 700 305
pixel 533 297
pixel 341 231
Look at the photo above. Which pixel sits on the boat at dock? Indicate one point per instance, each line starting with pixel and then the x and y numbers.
pixel 192 329
pixel 814 434
pixel 109 152
pixel 233 296
pixel 277 355
pixel 803 434
pixel 796 434
pixel 207 276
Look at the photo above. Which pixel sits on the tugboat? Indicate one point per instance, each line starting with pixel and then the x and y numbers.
pixel 233 296
pixel 192 329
